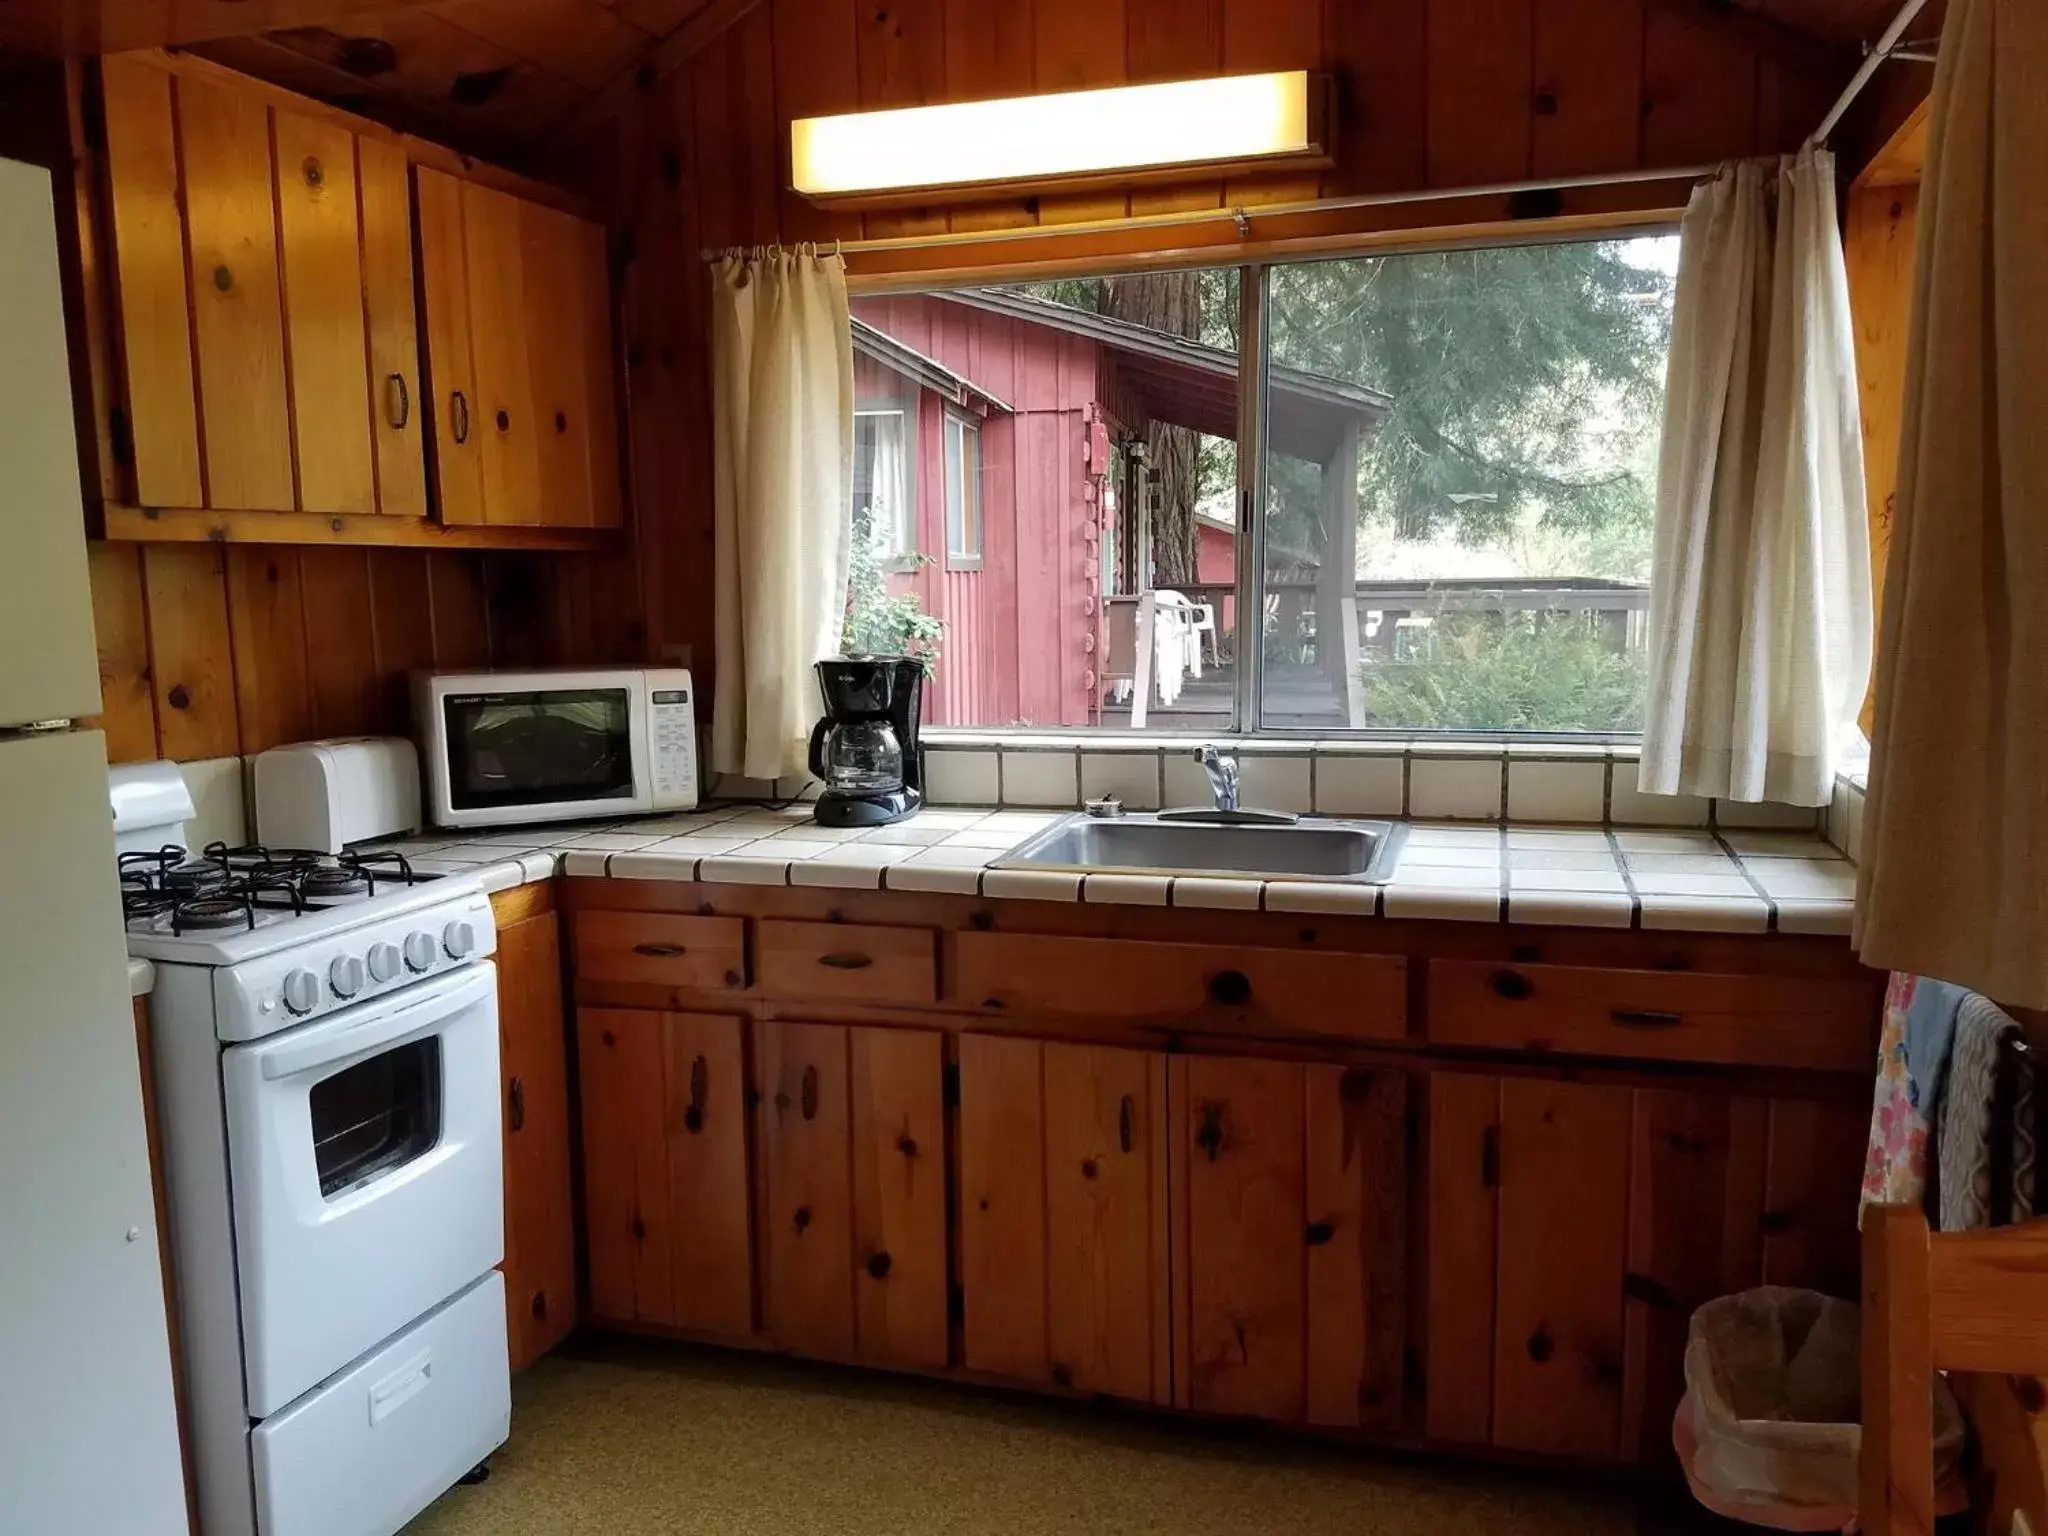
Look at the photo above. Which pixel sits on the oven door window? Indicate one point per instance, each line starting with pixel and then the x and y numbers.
pixel 538 748
pixel 376 1116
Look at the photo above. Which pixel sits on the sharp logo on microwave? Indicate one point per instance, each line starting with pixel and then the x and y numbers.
pixel 485 698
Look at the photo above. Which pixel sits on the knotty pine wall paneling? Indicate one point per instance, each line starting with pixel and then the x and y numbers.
pixel 1431 93
pixel 207 650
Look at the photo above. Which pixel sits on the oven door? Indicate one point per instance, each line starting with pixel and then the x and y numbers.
pixel 365 1157
pixel 517 750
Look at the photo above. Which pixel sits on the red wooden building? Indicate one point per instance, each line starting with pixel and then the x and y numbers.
pixel 984 472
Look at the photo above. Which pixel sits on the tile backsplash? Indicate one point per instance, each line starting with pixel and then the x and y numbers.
pixel 1440 781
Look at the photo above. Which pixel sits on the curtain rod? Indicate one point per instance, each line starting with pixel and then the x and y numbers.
pixel 1887 47
pixel 1243 214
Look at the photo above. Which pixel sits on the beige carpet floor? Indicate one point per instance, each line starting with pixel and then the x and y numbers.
pixel 620 1438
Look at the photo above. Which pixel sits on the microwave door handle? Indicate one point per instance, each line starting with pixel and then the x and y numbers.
pixel 382 1030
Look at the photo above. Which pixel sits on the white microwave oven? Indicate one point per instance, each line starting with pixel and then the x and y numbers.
pixel 554 745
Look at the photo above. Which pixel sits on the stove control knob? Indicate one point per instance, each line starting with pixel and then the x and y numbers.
pixel 302 991
pixel 459 939
pixel 419 951
pixel 345 976
pixel 383 961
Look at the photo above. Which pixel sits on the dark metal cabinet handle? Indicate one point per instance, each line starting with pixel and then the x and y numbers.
pixel 693 1117
pixel 1126 1116
pixel 1489 1158
pixel 1318 1233
pixel 1541 1346
pixel 1233 989
pixel 660 951
pixel 878 1266
pixel 1645 1018
pixel 397 402
pixel 458 407
pixel 515 1104
pixel 504 420
pixel 846 962
pixel 1512 985
pixel 1210 1136
pixel 808 1093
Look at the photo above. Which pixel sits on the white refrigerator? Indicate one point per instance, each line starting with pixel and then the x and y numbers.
pixel 88 1420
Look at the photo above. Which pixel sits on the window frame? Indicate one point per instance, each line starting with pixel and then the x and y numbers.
pixel 957 425
pixel 1254 365
pixel 903 556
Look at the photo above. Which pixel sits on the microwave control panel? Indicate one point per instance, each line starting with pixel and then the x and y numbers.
pixel 672 740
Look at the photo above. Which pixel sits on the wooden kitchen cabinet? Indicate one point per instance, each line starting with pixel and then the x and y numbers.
pixel 1575 1227
pixel 518 358
pixel 262 279
pixel 666 1190
pixel 1063 1215
pixel 853 1172
pixel 1289 1239
pixel 540 1233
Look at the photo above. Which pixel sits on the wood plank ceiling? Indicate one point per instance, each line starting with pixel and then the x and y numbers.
pixel 509 78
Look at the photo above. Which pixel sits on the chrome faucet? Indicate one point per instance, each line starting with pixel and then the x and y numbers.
pixel 1222 770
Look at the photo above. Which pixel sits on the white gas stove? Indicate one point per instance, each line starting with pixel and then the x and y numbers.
pixel 324 1031
pixel 299 935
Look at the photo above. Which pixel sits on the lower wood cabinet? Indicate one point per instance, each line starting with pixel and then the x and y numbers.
pixel 1575 1227
pixel 853 1180
pixel 667 1206
pixel 1063 1216
pixel 1288 1233
pixel 540 1235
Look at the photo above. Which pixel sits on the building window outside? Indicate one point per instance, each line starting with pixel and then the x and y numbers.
pixel 884 500
pixel 963 494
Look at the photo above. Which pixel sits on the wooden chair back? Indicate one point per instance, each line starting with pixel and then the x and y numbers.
pixel 1949 1301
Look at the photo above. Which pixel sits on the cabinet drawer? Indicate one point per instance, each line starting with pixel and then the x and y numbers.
pixel 1272 991
pixel 1776 1021
pixel 849 961
pixel 664 949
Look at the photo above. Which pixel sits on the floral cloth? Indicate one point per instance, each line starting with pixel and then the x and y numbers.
pixel 1912 1061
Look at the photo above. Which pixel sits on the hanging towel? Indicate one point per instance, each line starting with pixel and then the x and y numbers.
pixel 1912 1061
pixel 1967 1121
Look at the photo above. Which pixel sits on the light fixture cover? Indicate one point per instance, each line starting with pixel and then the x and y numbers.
pixel 1125 134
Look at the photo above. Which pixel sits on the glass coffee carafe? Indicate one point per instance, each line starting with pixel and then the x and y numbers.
pixel 863 757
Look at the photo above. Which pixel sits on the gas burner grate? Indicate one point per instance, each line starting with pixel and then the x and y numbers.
pixel 329 882
pixel 229 908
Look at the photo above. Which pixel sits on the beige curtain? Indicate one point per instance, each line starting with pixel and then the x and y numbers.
pixel 1954 881
pixel 782 408
pixel 1760 597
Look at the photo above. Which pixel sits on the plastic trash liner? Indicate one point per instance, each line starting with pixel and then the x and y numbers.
pixel 1768 1429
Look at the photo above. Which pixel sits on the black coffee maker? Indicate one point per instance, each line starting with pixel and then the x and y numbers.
pixel 865 749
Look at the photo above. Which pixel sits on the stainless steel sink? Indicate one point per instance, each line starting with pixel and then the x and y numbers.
pixel 1357 852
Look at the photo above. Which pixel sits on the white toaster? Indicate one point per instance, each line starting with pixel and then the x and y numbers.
pixel 325 795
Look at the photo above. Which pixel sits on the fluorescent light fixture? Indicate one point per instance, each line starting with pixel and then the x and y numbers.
pixel 1122 135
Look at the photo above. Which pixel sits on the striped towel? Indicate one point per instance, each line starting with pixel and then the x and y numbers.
pixel 1966 1121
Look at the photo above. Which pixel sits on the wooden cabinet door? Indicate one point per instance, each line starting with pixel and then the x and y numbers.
pixel 666 1188
pixel 540 1236
pixel 1695 1231
pixel 499 324
pixel 1063 1215
pixel 453 416
pixel 237 313
pixel 1811 1192
pixel 390 311
pixel 807 1203
pixel 1462 1195
pixel 551 280
pixel 1289 1231
pixel 1557 1375
pixel 320 233
pixel 898 1126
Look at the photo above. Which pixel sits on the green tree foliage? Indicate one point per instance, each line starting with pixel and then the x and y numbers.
pixel 1511 672
pixel 1520 376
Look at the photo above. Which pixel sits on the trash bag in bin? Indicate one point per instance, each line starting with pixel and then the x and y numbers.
pixel 1768 1430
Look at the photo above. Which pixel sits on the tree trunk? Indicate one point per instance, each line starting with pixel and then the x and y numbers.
pixel 1170 302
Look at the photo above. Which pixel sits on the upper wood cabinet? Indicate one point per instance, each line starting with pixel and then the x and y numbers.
pixel 263 284
pixel 519 359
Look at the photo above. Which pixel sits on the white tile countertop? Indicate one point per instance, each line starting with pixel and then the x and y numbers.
pixel 1693 879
